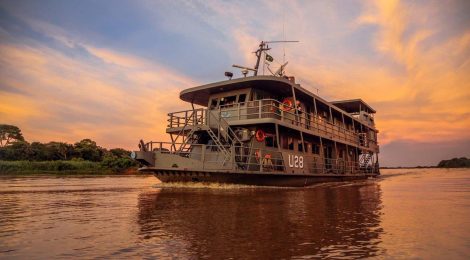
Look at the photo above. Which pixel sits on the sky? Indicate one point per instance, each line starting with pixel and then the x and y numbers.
pixel 112 70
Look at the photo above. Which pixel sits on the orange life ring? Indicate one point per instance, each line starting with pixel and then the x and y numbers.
pixel 266 156
pixel 257 155
pixel 286 104
pixel 260 135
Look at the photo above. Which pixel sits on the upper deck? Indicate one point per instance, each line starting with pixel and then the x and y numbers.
pixel 278 88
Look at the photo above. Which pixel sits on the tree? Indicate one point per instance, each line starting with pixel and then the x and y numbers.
pixel 119 152
pixel 18 150
pixel 38 151
pixel 462 162
pixel 9 134
pixel 58 150
pixel 88 150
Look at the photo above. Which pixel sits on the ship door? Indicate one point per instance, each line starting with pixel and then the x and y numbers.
pixel 328 154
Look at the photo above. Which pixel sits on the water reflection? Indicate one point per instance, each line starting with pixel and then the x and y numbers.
pixel 333 220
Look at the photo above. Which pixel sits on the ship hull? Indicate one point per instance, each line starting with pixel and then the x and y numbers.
pixel 280 180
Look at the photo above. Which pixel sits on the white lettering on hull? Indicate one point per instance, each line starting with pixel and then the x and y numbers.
pixel 296 161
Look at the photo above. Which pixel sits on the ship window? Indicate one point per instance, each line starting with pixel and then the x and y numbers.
pixel 316 149
pixel 270 141
pixel 290 142
pixel 213 103
pixel 300 146
pixel 284 142
pixel 241 98
pixel 308 147
pixel 227 100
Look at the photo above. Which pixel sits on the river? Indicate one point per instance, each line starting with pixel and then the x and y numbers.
pixel 407 213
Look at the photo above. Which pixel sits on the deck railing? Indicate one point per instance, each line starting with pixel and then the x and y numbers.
pixel 188 117
pixel 257 160
pixel 270 108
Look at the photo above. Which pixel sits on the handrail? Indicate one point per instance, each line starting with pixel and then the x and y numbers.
pixel 270 108
pixel 255 160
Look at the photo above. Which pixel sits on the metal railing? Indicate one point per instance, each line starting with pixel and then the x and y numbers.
pixel 257 160
pixel 270 108
pixel 242 157
pixel 187 117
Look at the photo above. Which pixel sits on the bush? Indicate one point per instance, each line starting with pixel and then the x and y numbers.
pixel 49 166
pixel 117 164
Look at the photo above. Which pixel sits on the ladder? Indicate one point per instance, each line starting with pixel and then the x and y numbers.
pixel 227 154
pixel 216 127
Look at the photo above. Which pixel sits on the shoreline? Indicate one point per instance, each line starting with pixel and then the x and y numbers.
pixel 71 173
pixel 60 167
pixel 128 172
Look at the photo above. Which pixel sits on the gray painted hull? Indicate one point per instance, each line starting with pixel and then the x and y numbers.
pixel 279 180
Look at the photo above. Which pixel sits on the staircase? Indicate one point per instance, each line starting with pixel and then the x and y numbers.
pixel 216 127
pixel 225 137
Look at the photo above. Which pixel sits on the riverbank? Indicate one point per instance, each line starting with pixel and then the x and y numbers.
pixel 61 168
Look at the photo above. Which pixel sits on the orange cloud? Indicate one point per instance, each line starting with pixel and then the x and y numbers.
pixel 421 88
pixel 416 76
pixel 115 101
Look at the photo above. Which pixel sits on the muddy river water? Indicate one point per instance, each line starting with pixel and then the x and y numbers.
pixel 407 213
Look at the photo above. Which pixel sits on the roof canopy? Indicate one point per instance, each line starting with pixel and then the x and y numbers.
pixel 353 105
pixel 200 95
pixel 276 85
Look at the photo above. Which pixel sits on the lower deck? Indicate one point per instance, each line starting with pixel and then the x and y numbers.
pixel 258 179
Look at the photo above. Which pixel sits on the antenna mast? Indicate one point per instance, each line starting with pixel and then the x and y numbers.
pixel 263 46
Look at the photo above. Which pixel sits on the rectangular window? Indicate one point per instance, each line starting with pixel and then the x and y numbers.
pixel 316 149
pixel 270 141
pixel 226 101
pixel 300 146
pixel 290 141
pixel 284 142
pixel 241 98
pixel 308 147
pixel 213 103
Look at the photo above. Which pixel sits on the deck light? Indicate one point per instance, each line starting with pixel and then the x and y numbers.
pixel 229 74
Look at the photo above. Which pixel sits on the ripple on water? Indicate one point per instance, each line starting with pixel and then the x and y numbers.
pixel 129 217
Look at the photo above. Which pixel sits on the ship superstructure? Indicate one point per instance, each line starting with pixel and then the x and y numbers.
pixel 264 130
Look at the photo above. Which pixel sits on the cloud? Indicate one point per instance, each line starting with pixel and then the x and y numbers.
pixel 413 73
pixel 114 98
pixel 409 60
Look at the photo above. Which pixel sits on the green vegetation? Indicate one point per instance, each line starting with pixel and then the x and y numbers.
pixel 19 156
pixel 73 166
pixel 462 162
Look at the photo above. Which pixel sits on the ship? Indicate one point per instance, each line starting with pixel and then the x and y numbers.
pixel 264 130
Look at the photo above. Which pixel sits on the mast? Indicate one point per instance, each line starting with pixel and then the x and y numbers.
pixel 262 47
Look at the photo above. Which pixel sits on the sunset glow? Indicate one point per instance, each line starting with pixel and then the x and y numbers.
pixel 112 71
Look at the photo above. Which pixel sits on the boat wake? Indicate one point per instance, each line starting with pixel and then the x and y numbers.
pixel 213 185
